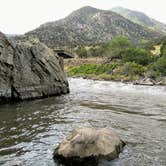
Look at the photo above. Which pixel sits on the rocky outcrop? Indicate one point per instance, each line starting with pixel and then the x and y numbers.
pixel 29 71
pixel 151 82
pixel 145 81
pixel 86 146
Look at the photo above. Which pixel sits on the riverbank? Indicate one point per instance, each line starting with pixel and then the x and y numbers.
pixel 97 69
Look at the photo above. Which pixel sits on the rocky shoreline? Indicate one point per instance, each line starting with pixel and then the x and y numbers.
pixel 145 81
pixel 150 82
pixel 97 69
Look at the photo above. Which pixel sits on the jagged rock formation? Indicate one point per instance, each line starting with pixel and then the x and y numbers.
pixel 141 19
pixel 88 25
pixel 29 71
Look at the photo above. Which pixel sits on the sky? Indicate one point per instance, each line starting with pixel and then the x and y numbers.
pixel 20 16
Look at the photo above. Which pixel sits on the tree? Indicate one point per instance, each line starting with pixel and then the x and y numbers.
pixel 132 68
pixel 96 51
pixel 137 55
pixel 81 51
pixel 163 49
pixel 117 47
pixel 160 65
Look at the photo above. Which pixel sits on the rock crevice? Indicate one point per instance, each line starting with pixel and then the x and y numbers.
pixel 29 71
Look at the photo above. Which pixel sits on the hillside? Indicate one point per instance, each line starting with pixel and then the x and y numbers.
pixel 141 19
pixel 89 25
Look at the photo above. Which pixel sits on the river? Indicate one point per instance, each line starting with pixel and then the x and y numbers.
pixel 30 130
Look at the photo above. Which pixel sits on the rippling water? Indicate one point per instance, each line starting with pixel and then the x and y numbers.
pixel 29 131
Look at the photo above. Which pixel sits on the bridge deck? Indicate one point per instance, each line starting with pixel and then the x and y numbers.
pixel 64 53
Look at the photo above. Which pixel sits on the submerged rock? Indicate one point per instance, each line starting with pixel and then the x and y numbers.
pixel 29 71
pixel 86 146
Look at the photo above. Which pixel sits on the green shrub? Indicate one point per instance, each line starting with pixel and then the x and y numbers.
pixel 104 76
pixel 96 51
pixel 83 69
pixel 137 55
pixel 87 69
pixel 160 65
pixel 115 71
pixel 163 49
pixel 81 52
pixel 132 68
pixel 117 46
pixel 106 68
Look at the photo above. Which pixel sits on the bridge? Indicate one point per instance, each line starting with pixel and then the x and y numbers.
pixel 64 53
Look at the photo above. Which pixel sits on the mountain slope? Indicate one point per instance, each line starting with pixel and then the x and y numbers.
pixel 88 26
pixel 141 18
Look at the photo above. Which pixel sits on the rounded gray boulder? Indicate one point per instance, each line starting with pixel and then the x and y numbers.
pixel 86 146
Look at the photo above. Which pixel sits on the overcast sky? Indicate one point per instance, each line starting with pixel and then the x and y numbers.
pixel 20 16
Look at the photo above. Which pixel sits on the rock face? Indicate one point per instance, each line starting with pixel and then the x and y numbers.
pixel 29 71
pixel 86 146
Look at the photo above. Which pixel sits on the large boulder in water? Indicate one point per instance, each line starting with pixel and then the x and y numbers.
pixel 29 71
pixel 86 146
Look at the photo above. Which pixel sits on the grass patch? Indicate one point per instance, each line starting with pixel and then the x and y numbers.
pixel 91 69
pixel 112 71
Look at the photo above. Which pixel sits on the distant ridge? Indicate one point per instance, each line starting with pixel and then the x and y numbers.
pixel 89 25
pixel 141 19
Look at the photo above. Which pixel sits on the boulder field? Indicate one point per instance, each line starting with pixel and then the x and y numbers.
pixel 29 71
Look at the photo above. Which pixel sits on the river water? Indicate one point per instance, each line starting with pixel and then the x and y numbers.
pixel 29 131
